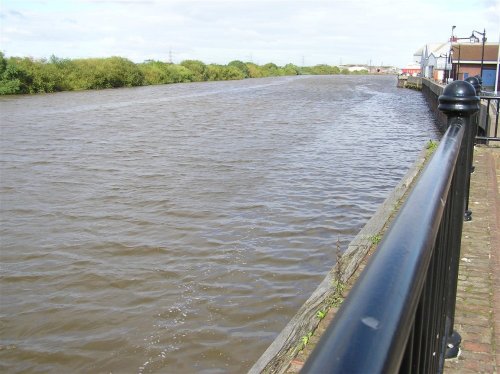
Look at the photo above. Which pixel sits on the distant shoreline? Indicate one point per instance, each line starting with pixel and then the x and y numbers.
pixel 25 75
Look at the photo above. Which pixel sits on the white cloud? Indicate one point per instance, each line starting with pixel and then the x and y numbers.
pixel 219 31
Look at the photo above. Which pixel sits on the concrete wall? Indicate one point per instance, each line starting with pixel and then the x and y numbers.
pixel 415 83
pixel 431 91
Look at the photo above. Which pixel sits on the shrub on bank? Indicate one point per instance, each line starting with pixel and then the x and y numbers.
pixel 25 75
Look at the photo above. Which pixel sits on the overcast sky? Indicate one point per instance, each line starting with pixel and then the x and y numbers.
pixel 301 32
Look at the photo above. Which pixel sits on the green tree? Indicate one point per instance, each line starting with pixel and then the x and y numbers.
pixel 322 69
pixel 197 68
pixel 270 70
pixel 82 76
pixel 360 72
pixel 28 73
pixel 119 72
pixel 335 70
pixel 157 72
pixel 60 70
pixel 9 78
pixel 154 72
pixel 240 66
pixel 179 74
pixel 254 70
pixel 291 69
pixel 216 72
pixel 233 73
pixel 3 62
pixel 112 72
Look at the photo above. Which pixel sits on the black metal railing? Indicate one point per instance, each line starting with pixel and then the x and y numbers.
pixel 485 123
pixel 399 315
pixel 489 118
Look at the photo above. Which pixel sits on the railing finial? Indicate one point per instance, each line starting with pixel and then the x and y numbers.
pixel 475 83
pixel 459 98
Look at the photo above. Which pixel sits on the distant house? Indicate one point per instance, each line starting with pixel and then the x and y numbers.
pixel 467 61
pixel 414 67
pixel 417 56
pixel 411 69
pixel 434 61
pixel 353 68
pixel 457 61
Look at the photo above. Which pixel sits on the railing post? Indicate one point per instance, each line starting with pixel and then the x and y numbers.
pixel 470 150
pixel 459 102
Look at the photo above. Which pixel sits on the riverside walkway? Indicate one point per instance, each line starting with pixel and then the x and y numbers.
pixel 477 315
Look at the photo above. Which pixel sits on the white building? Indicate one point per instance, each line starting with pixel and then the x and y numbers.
pixel 434 61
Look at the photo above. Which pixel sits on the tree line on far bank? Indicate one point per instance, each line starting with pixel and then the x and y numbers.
pixel 25 75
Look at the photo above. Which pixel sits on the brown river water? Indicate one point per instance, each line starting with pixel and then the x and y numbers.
pixel 178 228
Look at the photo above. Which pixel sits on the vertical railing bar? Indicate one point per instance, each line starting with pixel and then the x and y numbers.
pixel 470 139
pixel 496 121
pixel 487 124
pixel 437 291
pixel 425 332
pixel 430 339
pixel 406 365
pixel 433 304
pixel 419 336
pixel 435 308
pixel 444 251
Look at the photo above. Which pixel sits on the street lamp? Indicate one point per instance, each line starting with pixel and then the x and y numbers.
pixel 475 39
pixel 445 55
pixel 457 73
pixel 472 39
pixel 450 51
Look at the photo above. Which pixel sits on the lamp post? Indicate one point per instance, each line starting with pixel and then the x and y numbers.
pixel 450 52
pixel 445 64
pixel 475 38
pixel 457 72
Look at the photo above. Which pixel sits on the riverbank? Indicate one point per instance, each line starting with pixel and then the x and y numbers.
pixel 414 83
pixel 24 75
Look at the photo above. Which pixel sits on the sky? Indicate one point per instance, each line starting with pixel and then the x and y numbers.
pixel 334 32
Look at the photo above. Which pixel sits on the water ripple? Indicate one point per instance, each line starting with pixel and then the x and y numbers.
pixel 179 227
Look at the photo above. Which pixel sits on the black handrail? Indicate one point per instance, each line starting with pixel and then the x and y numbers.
pixel 399 315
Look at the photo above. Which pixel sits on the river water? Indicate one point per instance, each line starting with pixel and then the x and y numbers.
pixel 178 228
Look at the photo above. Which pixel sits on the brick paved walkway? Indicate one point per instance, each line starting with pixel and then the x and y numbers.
pixel 477 315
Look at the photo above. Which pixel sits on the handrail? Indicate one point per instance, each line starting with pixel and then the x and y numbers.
pixel 399 315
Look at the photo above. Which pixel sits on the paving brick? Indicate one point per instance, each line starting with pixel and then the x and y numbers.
pixel 478 290
pixel 477 347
